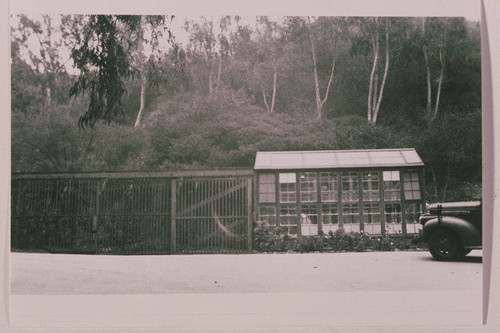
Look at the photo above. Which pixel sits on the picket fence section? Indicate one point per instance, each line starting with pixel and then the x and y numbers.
pixel 133 213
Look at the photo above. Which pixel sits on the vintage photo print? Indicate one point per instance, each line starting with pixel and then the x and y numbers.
pixel 246 166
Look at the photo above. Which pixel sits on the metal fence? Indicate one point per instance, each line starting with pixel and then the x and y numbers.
pixel 133 213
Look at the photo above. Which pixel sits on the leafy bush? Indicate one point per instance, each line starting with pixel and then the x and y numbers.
pixel 271 238
pixel 342 241
pixel 383 244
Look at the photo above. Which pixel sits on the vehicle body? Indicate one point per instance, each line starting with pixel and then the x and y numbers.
pixel 452 229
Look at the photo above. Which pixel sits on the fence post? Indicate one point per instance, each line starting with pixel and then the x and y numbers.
pixel 173 213
pixel 249 213
pixel 96 216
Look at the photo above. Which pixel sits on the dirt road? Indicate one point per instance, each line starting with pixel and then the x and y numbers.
pixel 61 274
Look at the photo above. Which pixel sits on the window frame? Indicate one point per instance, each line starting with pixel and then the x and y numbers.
pixel 269 194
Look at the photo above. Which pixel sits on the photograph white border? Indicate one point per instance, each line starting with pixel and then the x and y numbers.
pixel 118 308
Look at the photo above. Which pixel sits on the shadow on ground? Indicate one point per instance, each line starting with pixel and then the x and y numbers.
pixel 469 259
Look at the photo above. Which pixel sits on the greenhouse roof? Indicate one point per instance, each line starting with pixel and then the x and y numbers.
pixel 327 159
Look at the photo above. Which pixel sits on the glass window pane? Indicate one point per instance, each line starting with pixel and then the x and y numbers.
pixel 268 214
pixel 350 187
pixel 370 180
pixel 267 188
pixel 309 214
pixel 329 186
pixel 412 186
pixel 308 187
pixel 350 213
pixel 287 178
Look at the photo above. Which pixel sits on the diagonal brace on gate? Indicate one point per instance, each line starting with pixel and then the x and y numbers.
pixel 212 199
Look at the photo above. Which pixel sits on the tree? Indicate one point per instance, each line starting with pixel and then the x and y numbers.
pixel 27 95
pixel 148 66
pixel 45 59
pixel 377 27
pixel 269 52
pixel 320 101
pixel 210 47
pixel 104 52
pixel 434 33
pixel 451 149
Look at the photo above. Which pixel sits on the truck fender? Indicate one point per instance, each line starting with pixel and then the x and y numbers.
pixel 468 233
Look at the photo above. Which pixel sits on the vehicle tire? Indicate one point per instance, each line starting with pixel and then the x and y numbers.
pixel 444 245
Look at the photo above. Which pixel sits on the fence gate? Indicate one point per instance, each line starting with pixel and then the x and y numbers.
pixel 212 215
pixel 139 213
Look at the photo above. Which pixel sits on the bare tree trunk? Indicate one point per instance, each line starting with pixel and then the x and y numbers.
pixel 264 97
pixel 143 100
pixel 315 73
pixel 429 89
pixel 384 78
pixel 330 80
pixel 427 69
pixel 375 93
pixel 273 99
pixel 433 111
pixel 219 71
pixel 441 74
pixel 319 101
pixel 210 88
pixel 372 76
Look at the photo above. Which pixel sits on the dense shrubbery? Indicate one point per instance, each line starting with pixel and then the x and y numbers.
pixel 270 238
pixel 185 127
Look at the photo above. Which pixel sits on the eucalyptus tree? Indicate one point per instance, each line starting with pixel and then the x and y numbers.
pixel 146 56
pixel 332 29
pixel 269 60
pixel 41 41
pixel 103 52
pixel 377 29
pixel 434 38
pixel 209 42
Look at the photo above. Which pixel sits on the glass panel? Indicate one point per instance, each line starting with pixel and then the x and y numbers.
pixel 391 175
pixel 353 158
pixel 329 186
pixel 309 214
pixel 308 187
pixel 387 158
pixel 268 214
pixel 288 215
pixel 412 211
pixel 392 186
pixel 330 214
pixel 350 187
pixel 393 212
pixel 267 188
pixel 288 189
pixel 350 213
pixel 412 186
pixel 371 213
pixel 411 156
pixel 287 178
pixel 288 219
pixel 370 180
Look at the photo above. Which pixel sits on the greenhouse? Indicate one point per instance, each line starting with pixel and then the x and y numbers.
pixel 378 192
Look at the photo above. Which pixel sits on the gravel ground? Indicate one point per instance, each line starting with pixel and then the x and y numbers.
pixel 64 274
